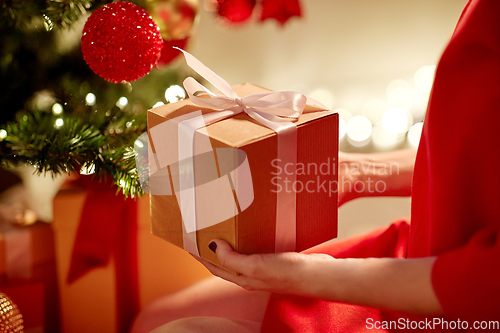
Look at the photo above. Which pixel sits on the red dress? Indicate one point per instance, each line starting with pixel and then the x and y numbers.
pixel 455 196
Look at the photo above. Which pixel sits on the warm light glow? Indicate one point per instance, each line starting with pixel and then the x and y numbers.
pixel 424 77
pixel 158 104
pixel 122 183
pixel 59 122
pixel 174 94
pixel 139 143
pixel 385 140
pixel 3 134
pixel 342 128
pixel 122 102
pixel 57 109
pixel 87 169
pixel 323 96
pixel 359 129
pixel 414 134
pixel 90 99
pixel 395 120
pixel 344 114
pixel 374 110
pixel 400 97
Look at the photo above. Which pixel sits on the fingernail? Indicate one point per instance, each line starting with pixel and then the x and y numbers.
pixel 212 246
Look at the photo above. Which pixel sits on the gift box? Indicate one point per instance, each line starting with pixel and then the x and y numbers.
pixel 239 162
pixel 93 302
pixel 28 273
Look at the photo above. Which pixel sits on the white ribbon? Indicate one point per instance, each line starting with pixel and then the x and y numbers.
pixel 273 109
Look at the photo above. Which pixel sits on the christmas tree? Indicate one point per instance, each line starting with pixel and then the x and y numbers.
pixel 56 113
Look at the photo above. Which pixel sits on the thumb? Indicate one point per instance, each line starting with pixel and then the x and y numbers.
pixel 228 258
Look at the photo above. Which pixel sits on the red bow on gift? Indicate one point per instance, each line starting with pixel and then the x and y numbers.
pixel 108 228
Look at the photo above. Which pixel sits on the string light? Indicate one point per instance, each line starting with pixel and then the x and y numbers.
pixel 3 134
pixel 57 109
pixel 174 94
pixel 58 123
pixel 87 169
pixel 90 99
pixel 122 102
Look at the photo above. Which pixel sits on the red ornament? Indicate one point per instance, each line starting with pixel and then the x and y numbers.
pixel 235 11
pixel 168 53
pixel 121 42
pixel 281 10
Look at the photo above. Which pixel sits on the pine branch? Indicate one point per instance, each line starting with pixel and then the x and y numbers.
pixel 54 13
pixel 39 141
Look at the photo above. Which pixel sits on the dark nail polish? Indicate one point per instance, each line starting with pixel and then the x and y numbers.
pixel 212 246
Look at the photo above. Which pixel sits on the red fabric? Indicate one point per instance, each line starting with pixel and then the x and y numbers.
pixel 108 227
pixel 455 196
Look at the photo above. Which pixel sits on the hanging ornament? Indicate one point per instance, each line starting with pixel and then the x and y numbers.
pixel 121 42
pixel 175 18
pixel 168 53
pixel 11 320
pixel 235 11
pixel 281 10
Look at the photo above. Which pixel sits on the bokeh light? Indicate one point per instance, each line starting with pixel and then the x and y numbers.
pixel 57 109
pixel 359 130
pixel 395 120
pixel 174 94
pixel 374 110
pixel 323 96
pixel 414 134
pixel 384 140
pixel 58 123
pixel 158 104
pixel 342 128
pixel 122 102
pixel 3 134
pixel 90 99
pixel 344 114
pixel 424 77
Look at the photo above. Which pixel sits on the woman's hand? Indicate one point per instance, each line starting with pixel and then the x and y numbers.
pixel 279 273
pixel 378 174
pixel 402 285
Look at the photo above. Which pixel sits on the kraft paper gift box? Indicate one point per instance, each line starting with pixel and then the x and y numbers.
pixel 252 229
pixel 90 303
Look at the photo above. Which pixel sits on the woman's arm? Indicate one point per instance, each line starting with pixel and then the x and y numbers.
pixel 402 285
pixel 381 174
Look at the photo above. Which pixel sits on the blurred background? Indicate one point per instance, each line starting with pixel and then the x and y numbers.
pixel 372 61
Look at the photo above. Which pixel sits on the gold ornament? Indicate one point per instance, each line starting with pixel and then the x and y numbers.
pixel 11 320
pixel 175 18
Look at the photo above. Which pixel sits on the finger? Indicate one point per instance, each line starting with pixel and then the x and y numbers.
pixel 233 260
pixel 217 271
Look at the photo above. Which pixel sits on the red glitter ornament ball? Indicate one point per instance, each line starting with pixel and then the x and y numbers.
pixel 121 42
